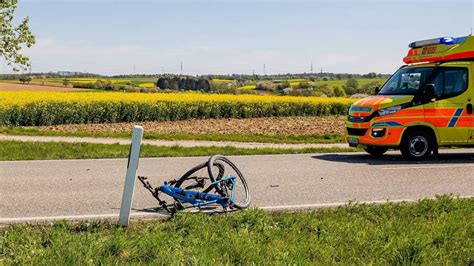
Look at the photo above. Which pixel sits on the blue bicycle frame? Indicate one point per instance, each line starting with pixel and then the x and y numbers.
pixel 199 199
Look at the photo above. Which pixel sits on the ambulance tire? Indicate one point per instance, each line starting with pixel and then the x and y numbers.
pixel 376 151
pixel 417 145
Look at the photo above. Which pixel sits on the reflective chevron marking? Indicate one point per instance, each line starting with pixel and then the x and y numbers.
pixel 455 118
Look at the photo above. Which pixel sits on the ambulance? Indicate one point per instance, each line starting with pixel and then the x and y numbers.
pixel 425 105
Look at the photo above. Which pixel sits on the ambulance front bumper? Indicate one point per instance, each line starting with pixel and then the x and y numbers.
pixel 359 136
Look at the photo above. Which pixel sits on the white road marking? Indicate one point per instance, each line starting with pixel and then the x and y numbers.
pixel 76 217
pixel 160 215
pixel 428 167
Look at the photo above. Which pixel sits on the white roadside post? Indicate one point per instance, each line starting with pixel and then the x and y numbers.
pixel 132 167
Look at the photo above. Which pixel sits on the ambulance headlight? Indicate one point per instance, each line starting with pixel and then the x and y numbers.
pixel 389 110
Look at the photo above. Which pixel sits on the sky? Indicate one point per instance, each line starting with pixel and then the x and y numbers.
pixel 224 37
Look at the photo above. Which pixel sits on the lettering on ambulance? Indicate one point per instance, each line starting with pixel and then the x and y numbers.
pixel 429 50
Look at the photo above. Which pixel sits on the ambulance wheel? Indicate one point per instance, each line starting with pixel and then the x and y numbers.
pixel 376 151
pixel 417 145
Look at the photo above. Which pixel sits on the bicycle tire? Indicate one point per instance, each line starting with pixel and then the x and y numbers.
pixel 219 159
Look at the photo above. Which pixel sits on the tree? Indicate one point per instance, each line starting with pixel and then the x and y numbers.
pixel 372 75
pixel 304 85
pixel 14 38
pixel 324 89
pixel 338 91
pixel 25 79
pixel 66 82
pixel 265 86
pixel 351 86
pixel 284 85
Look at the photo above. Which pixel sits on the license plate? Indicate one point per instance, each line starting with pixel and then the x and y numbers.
pixel 353 142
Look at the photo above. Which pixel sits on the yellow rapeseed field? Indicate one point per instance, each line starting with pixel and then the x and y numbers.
pixel 148 85
pixel 8 98
pixel 27 108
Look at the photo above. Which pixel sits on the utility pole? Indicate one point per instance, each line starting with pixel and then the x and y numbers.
pixel 472 15
pixel 321 71
pixel 264 70
pixel 311 68
pixel 181 67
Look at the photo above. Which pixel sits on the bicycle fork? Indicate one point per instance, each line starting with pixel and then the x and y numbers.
pixel 155 192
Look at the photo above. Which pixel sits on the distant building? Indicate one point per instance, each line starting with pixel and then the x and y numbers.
pixel 68 73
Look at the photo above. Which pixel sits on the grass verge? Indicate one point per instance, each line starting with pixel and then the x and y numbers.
pixel 19 150
pixel 427 232
pixel 325 138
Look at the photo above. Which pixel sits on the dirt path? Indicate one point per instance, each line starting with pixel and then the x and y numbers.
pixel 183 143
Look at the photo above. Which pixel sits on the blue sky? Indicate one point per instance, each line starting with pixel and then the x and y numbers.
pixel 111 37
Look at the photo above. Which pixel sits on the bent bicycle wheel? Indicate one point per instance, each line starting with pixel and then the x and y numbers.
pixel 241 191
pixel 198 180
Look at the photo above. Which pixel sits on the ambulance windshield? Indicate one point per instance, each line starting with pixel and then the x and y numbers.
pixel 406 81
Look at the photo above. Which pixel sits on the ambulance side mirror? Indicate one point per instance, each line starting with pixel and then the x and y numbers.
pixel 430 93
pixel 376 90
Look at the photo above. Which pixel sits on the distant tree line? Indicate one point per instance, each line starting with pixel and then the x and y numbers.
pixel 325 76
pixel 107 85
pixel 48 75
pixel 236 77
pixel 184 83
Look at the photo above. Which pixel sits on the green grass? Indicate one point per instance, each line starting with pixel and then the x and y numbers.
pixel 326 138
pixel 18 150
pixel 438 232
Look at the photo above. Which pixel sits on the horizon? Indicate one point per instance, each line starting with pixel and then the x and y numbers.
pixel 78 73
pixel 117 37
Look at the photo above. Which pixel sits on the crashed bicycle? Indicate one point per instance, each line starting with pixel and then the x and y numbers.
pixel 223 184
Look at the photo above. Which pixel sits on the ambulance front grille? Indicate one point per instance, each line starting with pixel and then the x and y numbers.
pixel 356 131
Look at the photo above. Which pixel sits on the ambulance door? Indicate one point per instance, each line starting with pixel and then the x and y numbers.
pixel 450 107
pixel 469 106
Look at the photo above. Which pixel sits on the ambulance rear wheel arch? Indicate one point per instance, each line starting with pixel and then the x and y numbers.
pixel 418 142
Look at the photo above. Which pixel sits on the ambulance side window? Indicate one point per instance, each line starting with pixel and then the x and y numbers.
pixel 455 82
pixel 450 82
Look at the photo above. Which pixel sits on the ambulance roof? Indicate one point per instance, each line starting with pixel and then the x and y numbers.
pixel 440 50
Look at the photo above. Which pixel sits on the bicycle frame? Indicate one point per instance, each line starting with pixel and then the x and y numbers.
pixel 199 199
pixel 195 198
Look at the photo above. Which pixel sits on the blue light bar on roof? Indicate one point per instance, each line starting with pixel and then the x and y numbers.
pixel 444 40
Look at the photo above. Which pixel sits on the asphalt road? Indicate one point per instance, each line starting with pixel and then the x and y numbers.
pixel 75 189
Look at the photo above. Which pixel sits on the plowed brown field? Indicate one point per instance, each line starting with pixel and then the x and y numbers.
pixel 31 87
pixel 295 126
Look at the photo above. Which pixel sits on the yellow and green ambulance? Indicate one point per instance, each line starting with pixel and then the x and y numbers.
pixel 426 104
